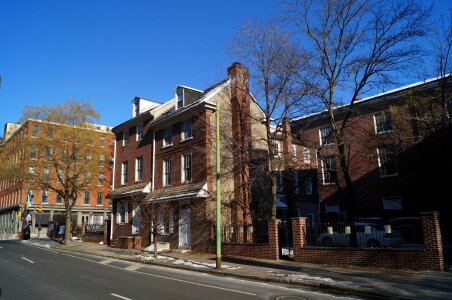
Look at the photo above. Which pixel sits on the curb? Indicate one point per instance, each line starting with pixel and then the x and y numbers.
pixel 337 289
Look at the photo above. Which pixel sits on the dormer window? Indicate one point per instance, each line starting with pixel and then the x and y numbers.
pixel 180 97
pixel 136 108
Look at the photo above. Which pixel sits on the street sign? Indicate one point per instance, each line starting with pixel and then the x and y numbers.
pixel 40 208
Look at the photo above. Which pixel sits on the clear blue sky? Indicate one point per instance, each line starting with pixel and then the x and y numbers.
pixel 107 52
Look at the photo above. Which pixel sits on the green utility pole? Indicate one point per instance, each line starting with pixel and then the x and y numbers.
pixel 218 190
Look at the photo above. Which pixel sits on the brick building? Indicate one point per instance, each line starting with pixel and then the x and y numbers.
pixel 91 207
pixel 166 154
pixel 400 152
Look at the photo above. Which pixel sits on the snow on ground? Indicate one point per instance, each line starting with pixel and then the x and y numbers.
pixel 312 278
pixel 185 262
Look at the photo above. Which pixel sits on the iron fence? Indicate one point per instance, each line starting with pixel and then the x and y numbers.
pixel 94 229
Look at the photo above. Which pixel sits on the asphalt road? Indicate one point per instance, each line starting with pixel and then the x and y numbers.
pixel 28 272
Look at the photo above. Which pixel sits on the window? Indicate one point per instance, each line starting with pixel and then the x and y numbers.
pixel 121 212
pixel 35 131
pixel 103 141
pixel 31 170
pixel 294 151
pixel 44 197
pixel 48 153
pixel 306 156
pixel 59 199
pixel 186 132
pixel 387 161
pixel 125 138
pixel 88 178
pixel 165 221
pixel 124 172
pixel 137 108
pixel 296 183
pixel 383 122
pixel 180 98
pixel 101 160
pixel 276 148
pixel 139 169
pixel 332 208
pixel 33 152
pixel 394 202
pixel 167 172
pixel 326 136
pixel 329 169
pixel 46 174
pixel 100 197
pixel 100 179
pixel 186 168
pixel 140 132
pixel 167 137
pixel 49 132
pixel 308 185
pixel 63 153
pixel 87 197
pixel 279 181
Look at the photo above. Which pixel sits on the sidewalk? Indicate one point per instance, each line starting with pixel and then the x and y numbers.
pixel 361 282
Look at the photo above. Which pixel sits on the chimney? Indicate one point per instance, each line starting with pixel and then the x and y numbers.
pixel 240 74
pixel 287 134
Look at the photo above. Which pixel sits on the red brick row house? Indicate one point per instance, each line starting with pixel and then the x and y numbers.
pixel 400 152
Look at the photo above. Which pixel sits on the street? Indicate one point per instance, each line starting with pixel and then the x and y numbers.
pixel 39 273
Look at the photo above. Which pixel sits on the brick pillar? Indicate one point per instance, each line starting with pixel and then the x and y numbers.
pixel 433 244
pixel 298 236
pixel 273 244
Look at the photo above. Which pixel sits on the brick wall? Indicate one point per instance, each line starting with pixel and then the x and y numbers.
pixel 264 250
pixel 427 258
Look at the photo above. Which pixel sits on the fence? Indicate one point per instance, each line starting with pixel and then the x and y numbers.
pixel 94 229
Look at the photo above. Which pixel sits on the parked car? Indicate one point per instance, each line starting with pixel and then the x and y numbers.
pixel 374 237
pixel 410 229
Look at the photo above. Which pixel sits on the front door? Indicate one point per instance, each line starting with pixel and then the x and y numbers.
pixel 184 228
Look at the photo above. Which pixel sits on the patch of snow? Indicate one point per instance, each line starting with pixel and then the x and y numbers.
pixel 195 264
pixel 35 244
pixel 161 246
pixel 312 278
pixel 151 257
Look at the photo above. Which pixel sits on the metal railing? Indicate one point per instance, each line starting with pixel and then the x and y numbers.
pixel 94 229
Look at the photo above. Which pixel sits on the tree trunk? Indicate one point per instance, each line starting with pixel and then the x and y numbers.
pixel 155 244
pixel 67 230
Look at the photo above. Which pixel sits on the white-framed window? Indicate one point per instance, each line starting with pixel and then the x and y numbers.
pixel 165 221
pixel 329 170
pixel 136 220
pixel 101 160
pixel 383 122
pixel 387 161
pixel 186 132
pixel 59 199
pixel 306 156
pixel 87 198
pixel 308 185
pixel 33 152
pixel 139 169
pixel 276 148
pixel 31 170
pixel 88 177
pixel 103 141
pixel 100 179
pixel 392 202
pixel 180 98
pixel 124 172
pixel 167 168
pixel 186 168
pixel 294 151
pixel 326 136
pixel 49 132
pixel 140 132
pixel 121 212
pixel 46 174
pixel 168 137
pixel 45 196
pixel 125 138
pixel 35 130
pixel 100 198
pixel 279 181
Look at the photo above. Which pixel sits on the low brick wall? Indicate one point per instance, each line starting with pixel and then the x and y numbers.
pixel 93 238
pixel 257 250
pixel 427 258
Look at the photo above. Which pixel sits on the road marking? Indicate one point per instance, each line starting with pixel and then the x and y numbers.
pixel 106 261
pixel 28 260
pixel 170 278
pixel 133 267
pixel 119 296
pixel 1 247
pixel 37 247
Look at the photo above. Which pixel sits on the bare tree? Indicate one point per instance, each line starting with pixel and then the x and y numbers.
pixel 66 156
pixel 273 59
pixel 354 46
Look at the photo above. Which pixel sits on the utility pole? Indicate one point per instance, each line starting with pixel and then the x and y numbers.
pixel 218 190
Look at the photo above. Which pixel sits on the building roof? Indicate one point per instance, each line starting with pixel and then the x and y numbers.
pixel 128 190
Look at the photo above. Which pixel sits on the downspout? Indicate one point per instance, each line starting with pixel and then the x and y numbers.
pixel 153 160
pixel 114 168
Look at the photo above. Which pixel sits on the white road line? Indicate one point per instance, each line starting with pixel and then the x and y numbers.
pixel 133 267
pixel 170 278
pixel 119 296
pixel 28 260
pixel 106 261
pixel 37 247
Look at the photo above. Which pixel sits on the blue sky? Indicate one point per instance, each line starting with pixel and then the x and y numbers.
pixel 107 52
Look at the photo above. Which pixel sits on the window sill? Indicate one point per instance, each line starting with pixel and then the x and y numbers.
pixel 384 132
pixel 328 183
pixel 186 139
pixel 330 144
pixel 167 146
pixel 137 181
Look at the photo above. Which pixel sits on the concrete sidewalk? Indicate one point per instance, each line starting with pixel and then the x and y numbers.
pixel 361 282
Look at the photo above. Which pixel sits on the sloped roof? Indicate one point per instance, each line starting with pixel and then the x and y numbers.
pixel 184 191
pixel 127 190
